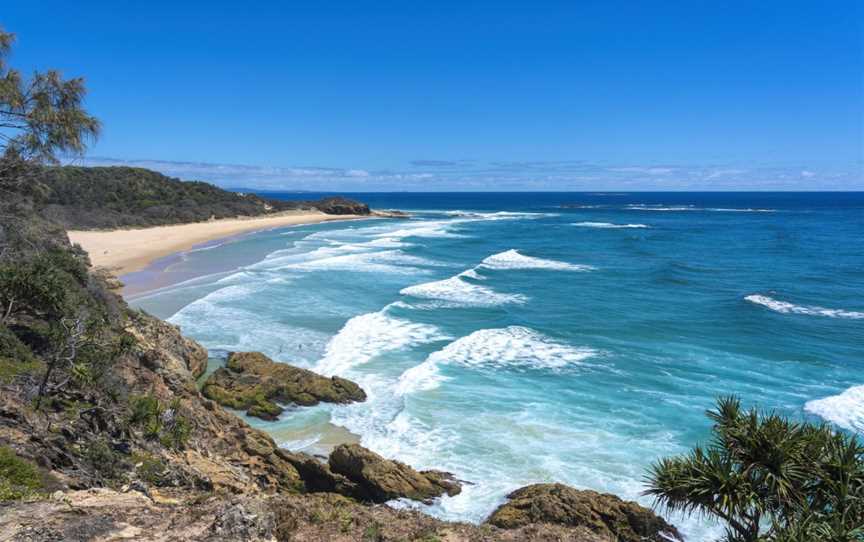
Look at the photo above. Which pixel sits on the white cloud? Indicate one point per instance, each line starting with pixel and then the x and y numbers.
pixel 479 176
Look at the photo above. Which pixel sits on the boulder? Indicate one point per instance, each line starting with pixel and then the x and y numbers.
pixel 602 513
pixel 380 480
pixel 317 476
pixel 253 382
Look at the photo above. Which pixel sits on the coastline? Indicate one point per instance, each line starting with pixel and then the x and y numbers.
pixel 123 251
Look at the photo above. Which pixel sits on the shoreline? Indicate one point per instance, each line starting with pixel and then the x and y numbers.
pixel 123 251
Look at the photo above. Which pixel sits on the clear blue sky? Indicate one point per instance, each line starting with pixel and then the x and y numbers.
pixel 645 94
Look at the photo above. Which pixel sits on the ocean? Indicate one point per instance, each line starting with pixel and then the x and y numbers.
pixel 514 338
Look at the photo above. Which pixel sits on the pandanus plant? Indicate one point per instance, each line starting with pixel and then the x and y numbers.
pixel 768 478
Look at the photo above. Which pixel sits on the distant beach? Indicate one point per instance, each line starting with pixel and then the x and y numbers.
pixel 127 250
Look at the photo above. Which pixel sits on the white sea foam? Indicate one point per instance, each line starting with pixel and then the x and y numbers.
pixel 433 230
pixel 459 292
pixel 845 409
pixel 512 259
pixel 371 262
pixel 608 225
pixel 789 308
pixel 472 274
pixel 660 207
pixel 496 215
pixel 513 346
pixel 206 247
pixel 368 335
pixel 642 207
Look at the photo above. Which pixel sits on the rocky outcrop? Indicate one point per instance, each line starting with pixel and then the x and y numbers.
pixel 341 206
pixel 380 480
pixel 101 514
pixel 253 382
pixel 602 513
pixel 166 348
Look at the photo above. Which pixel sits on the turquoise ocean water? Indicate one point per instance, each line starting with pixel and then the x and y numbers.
pixel 510 339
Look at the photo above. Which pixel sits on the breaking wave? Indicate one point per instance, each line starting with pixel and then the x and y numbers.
pixel 785 307
pixel 368 335
pixel 512 259
pixel 513 346
pixel 845 410
pixel 607 225
pixel 456 290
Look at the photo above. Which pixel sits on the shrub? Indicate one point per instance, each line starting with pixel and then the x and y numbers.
pixel 19 478
pixel 104 459
pixel 170 425
pixel 16 358
pixel 768 479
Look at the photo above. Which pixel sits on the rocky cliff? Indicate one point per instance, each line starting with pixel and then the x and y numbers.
pixel 104 434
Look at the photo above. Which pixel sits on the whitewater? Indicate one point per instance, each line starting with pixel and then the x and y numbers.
pixel 513 339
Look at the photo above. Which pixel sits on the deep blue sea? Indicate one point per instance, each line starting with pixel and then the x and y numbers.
pixel 525 337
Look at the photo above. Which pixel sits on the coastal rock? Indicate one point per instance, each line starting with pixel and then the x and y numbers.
pixel 602 513
pixel 317 476
pixel 381 480
pixel 170 351
pixel 341 206
pixel 253 382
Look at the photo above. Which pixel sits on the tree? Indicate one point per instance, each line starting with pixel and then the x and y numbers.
pixel 768 479
pixel 41 116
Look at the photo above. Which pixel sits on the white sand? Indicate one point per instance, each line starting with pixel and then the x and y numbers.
pixel 127 250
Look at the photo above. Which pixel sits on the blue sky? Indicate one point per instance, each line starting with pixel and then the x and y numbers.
pixel 578 95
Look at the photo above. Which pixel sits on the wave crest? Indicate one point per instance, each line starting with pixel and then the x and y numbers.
pixel 608 225
pixel 458 291
pixel 368 335
pixel 785 307
pixel 513 346
pixel 512 259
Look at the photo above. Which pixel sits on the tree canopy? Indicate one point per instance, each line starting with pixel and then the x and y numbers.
pixel 42 115
pixel 768 478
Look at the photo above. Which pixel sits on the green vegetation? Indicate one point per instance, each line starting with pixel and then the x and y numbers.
pixel 15 357
pixel 768 479
pixel 167 424
pixel 112 197
pixel 42 115
pixel 150 469
pixel 19 478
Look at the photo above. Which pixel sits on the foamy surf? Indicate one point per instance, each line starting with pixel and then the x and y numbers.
pixel 512 259
pixel 845 410
pixel 457 291
pixel 510 347
pixel 785 307
pixel 368 335
pixel 608 225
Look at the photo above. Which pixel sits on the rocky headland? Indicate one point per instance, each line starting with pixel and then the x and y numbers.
pixel 105 434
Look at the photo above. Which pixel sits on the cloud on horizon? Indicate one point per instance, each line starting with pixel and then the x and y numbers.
pixel 468 175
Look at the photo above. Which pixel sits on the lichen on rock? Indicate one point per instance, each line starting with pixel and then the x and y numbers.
pixel 380 480
pixel 602 513
pixel 253 382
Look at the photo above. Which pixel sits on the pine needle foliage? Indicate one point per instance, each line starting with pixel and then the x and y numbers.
pixel 42 115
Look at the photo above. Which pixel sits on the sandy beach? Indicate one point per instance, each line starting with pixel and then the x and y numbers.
pixel 126 250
